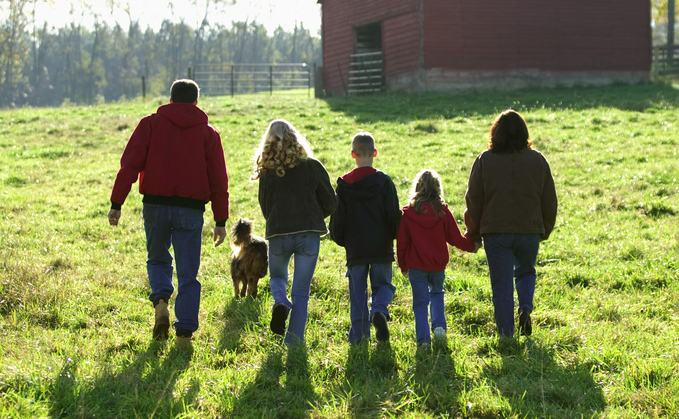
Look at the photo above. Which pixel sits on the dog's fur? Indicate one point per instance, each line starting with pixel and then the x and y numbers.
pixel 249 259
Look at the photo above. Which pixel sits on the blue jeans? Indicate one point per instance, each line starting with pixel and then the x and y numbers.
pixel 511 261
pixel 428 293
pixel 182 228
pixel 382 294
pixel 305 248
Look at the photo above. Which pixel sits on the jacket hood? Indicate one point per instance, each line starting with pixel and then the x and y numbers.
pixel 365 188
pixel 427 220
pixel 358 174
pixel 184 115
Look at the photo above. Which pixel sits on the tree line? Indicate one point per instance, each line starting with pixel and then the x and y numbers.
pixel 43 66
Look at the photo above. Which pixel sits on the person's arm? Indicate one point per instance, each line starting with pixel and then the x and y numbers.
pixel 549 203
pixel 261 195
pixel 132 163
pixel 474 199
pixel 392 208
pixel 453 235
pixel 338 222
pixel 218 179
pixel 325 194
pixel 402 243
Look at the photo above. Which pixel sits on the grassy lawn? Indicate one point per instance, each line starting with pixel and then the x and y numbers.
pixel 75 321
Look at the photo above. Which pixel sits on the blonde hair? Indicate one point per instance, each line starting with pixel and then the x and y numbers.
pixel 281 148
pixel 427 188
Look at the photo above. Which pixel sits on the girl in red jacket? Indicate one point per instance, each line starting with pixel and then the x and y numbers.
pixel 427 226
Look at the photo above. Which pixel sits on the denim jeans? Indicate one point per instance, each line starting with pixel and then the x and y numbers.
pixel 182 228
pixel 304 247
pixel 511 261
pixel 428 293
pixel 382 294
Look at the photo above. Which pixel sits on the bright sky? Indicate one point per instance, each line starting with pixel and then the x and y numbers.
pixel 271 13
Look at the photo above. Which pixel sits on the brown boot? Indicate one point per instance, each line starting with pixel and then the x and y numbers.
pixel 160 329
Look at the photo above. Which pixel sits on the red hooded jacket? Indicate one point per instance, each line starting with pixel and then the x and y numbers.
pixel 175 153
pixel 423 239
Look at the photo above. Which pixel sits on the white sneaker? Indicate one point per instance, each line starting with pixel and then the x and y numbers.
pixel 440 333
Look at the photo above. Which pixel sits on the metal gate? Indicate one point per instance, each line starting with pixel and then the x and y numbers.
pixel 665 60
pixel 366 73
pixel 233 79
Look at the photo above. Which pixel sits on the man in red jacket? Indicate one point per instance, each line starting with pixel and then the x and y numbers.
pixel 179 160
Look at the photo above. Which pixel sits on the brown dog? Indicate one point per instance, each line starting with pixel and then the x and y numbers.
pixel 249 258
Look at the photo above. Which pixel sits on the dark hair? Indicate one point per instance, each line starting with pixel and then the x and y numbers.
pixel 509 133
pixel 184 91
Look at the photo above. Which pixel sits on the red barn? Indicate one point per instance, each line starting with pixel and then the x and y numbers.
pixel 449 45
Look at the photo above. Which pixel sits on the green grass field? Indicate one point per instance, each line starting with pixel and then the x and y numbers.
pixel 75 322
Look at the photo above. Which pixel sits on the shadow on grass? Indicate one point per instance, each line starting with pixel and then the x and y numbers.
pixel 240 314
pixel 269 395
pixel 536 384
pixel 407 107
pixel 435 380
pixel 139 387
pixel 372 385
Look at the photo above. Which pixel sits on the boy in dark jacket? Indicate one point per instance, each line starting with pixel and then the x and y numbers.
pixel 179 160
pixel 366 225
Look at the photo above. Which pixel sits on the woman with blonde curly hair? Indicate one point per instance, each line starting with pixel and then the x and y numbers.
pixel 295 196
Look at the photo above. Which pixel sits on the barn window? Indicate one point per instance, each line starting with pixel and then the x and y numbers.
pixel 368 38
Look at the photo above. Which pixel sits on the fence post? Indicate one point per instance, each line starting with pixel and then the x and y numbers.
pixel 270 80
pixel 143 86
pixel 231 80
pixel 308 70
pixel 188 74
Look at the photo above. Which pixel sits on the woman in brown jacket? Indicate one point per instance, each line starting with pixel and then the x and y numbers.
pixel 512 204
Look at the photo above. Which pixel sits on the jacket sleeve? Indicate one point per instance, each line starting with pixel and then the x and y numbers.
pixel 133 161
pixel 325 194
pixel 453 235
pixel 217 178
pixel 549 203
pixel 474 198
pixel 261 195
pixel 338 222
pixel 392 208
pixel 402 244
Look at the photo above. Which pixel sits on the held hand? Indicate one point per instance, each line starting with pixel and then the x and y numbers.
pixel 113 217
pixel 406 274
pixel 220 235
pixel 477 246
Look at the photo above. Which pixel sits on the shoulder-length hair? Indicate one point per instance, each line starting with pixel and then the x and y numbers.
pixel 427 188
pixel 282 147
pixel 508 133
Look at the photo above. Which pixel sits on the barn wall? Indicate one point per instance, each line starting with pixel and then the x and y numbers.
pixel 527 42
pixel 493 43
pixel 400 36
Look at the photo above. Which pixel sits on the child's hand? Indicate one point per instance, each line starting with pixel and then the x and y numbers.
pixel 477 246
pixel 406 273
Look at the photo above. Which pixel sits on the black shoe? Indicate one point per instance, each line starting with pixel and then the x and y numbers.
pixel 525 324
pixel 379 320
pixel 278 318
